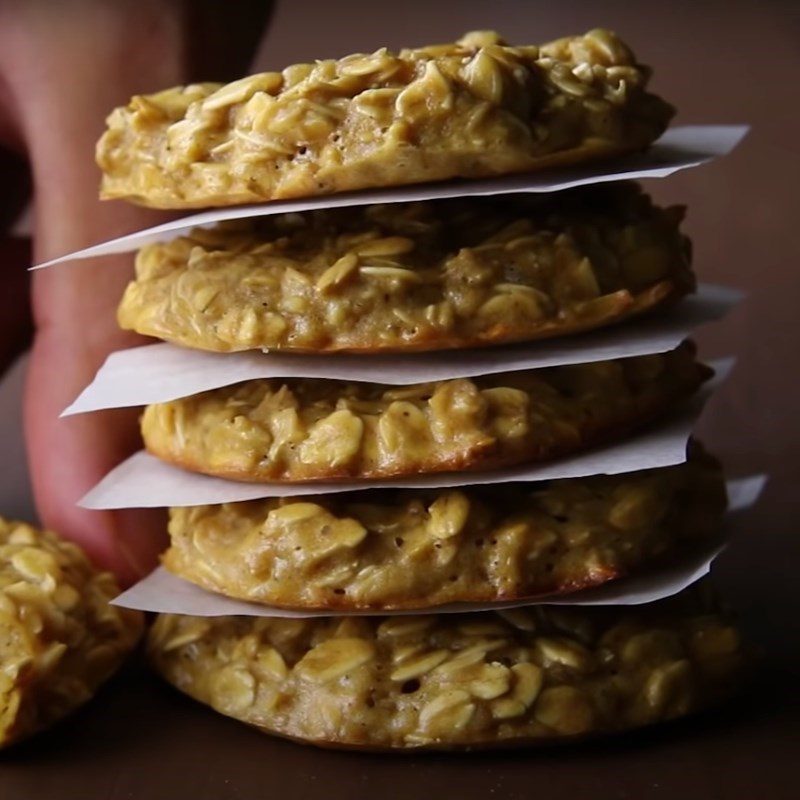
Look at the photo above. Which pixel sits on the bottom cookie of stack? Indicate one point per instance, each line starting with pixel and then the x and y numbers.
pixel 521 676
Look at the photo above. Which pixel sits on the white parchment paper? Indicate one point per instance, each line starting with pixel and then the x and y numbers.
pixel 142 481
pixel 158 373
pixel 679 148
pixel 164 592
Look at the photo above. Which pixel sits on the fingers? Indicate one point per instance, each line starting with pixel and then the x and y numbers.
pixel 68 456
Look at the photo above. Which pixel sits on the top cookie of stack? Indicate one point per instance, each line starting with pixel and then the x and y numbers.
pixel 474 108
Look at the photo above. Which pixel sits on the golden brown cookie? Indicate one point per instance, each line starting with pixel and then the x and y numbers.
pixel 59 637
pixel 470 109
pixel 312 429
pixel 413 276
pixel 414 549
pixel 528 676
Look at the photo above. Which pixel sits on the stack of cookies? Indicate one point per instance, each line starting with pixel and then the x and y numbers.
pixel 442 275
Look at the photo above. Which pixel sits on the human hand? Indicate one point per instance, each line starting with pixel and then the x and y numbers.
pixel 63 67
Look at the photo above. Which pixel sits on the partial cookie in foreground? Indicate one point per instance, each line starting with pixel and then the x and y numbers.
pixel 418 276
pixel 470 109
pixel 528 676
pixel 59 637
pixel 417 549
pixel 314 429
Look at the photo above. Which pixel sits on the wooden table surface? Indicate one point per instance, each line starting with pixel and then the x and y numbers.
pixel 719 62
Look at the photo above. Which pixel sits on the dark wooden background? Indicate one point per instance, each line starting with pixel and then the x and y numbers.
pixel 719 62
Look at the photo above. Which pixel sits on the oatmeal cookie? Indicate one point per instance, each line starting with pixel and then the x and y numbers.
pixel 59 637
pixel 415 549
pixel 471 109
pixel 528 676
pixel 413 276
pixel 313 429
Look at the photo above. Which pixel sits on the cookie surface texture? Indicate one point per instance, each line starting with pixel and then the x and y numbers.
pixel 59 637
pixel 530 676
pixel 474 108
pixel 413 276
pixel 317 429
pixel 414 549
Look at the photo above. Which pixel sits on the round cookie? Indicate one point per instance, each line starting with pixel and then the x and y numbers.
pixel 470 109
pixel 380 550
pixel 59 637
pixel 312 429
pixel 528 676
pixel 413 276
